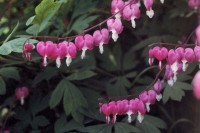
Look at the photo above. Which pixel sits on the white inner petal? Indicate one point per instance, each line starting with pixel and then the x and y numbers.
pixel 58 62
pixel 174 68
pixel 150 13
pixel 129 113
pixel 45 61
pixel 170 82
pixel 118 15
pixel 114 35
pixel 83 52
pixel 160 65
pixel 140 117
pixel 133 22
pixel 162 1
pixel 22 100
pixel 101 47
pixel 108 119
pixel 159 97
pixel 114 118
pixel 68 60
pixel 139 4
pixel 148 106
pixel 184 67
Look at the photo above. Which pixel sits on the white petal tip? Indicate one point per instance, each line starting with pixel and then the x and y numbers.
pixel 140 117
pixel 22 101
pixel 150 13
pixel 68 60
pixel 58 62
pixel 114 35
pixel 159 97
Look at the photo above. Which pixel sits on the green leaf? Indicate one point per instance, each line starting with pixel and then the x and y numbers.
pixel 2 86
pixel 57 94
pixel 39 121
pixel 62 126
pixel 151 124
pixel 125 128
pixel 44 12
pixel 118 86
pixel 82 23
pixel 30 20
pixel 47 74
pixel 73 100
pixel 14 30
pixel 176 92
pixel 80 75
pixel 15 45
pixel 38 103
pixel 10 72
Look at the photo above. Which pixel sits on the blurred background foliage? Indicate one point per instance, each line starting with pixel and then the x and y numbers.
pixel 66 99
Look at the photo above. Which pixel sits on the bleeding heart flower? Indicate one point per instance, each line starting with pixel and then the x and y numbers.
pixel 151 56
pixel 198 33
pixel 131 12
pixel 84 43
pixel 194 4
pixel 117 7
pixel 196 85
pixel 158 89
pixel 169 75
pixel 21 93
pixel 148 98
pixel 100 38
pixel 197 53
pixel 172 60
pixel 115 26
pixel 113 111
pixel 27 49
pixel 46 49
pixel 105 108
pixel 160 53
pixel 188 57
pixel 59 53
pixel 148 4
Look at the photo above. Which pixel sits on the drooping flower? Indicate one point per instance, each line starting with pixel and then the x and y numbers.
pixel 84 43
pixel 113 111
pixel 151 57
pixel 141 111
pixel 160 53
pixel 101 37
pixel 122 107
pixel 188 57
pixel 21 93
pixel 27 49
pixel 169 75
pixel 117 7
pixel 131 12
pixel 148 4
pixel 197 53
pixel 172 60
pixel 71 52
pixel 194 4
pixel 59 53
pixel 105 108
pixel 45 49
pixel 115 26
pixel 158 89
pixel 162 1
pixel 198 34
pixel 148 97
pixel 196 85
